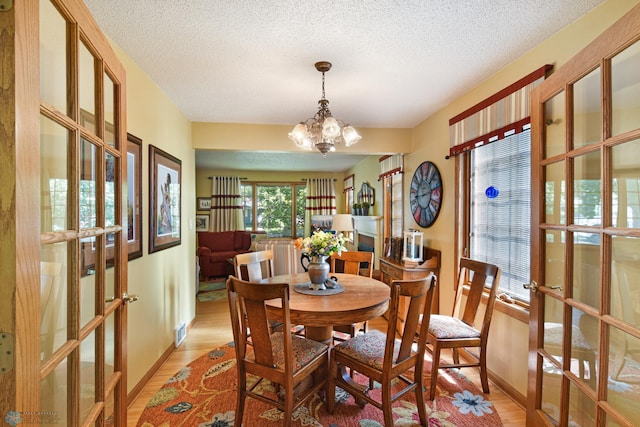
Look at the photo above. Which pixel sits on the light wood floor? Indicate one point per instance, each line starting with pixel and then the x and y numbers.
pixel 212 329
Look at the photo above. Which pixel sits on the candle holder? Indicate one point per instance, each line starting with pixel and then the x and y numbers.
pixel 413 246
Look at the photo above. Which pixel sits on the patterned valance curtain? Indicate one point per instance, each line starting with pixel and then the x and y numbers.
pixel 226 204
pixel 502 114
pixel 390 165
pixel 321 199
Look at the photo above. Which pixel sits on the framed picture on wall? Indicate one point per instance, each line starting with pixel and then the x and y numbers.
pixel 165 199
pixel 204 203
pixel 202 222
pixel 321 222
pixel 134 196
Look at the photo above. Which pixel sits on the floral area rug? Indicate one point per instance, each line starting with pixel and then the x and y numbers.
pixel 203 394
pixel 212 291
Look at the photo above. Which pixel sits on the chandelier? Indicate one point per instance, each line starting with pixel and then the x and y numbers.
pixel 323 131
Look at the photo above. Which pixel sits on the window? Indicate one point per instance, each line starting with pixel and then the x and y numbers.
pixel 58 199
pixel 348 193
pixel 500 209
pixel 492 145
pixel 277 209
pixel 391 171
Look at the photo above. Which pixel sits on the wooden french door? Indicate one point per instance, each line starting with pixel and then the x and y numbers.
pixel 584 367
pixel 70 218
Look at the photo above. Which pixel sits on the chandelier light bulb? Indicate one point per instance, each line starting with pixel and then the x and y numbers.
pixel 350 136
pixel 330 128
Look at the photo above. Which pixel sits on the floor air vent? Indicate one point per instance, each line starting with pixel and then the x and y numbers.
pixel 181 334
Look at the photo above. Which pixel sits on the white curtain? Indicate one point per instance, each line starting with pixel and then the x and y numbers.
pixel 226 204
pixel 321 200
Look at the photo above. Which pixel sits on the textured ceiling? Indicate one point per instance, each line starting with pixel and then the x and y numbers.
pixel 394 62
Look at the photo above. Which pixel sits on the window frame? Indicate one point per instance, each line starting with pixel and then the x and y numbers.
pixel 254 208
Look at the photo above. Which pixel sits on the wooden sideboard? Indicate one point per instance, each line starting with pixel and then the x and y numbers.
pixel 390 270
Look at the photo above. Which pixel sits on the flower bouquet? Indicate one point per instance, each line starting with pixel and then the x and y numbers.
pixel 321 243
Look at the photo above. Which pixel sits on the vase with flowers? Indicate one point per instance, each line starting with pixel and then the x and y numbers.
pixel 317 248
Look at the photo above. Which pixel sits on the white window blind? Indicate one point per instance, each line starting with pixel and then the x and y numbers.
pixel 500 225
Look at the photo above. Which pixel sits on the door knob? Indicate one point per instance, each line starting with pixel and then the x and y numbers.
pixel 125 297
pixel 533 286
pixel 129 298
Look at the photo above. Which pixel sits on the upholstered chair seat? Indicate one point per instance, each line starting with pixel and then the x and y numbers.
pixel 304 351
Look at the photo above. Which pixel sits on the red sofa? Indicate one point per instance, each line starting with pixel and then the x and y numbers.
pixel 215 248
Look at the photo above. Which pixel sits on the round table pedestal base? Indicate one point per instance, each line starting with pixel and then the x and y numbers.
pixel 321 334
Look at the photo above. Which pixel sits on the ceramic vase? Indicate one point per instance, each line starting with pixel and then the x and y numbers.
pixel 318 270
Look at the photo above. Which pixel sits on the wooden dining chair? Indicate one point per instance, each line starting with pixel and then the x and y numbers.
pixel 351 263
pixel 383 358
pixel 282 358
pixel 254 266
pixel 464 328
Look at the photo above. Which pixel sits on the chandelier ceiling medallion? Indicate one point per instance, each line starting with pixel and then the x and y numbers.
pixel 323 131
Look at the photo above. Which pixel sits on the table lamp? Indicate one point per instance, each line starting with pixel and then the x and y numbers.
pixel 342 222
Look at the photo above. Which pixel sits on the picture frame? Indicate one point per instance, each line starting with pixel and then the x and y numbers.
pixel 165 200
pixel 321 222
pixel 204 203
pixel 134 196
pixel 202 222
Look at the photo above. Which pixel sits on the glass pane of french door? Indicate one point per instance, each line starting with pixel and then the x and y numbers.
pixel 587 309
pixel 81 197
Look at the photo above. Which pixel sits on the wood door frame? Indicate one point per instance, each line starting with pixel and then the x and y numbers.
pixel 19 211
pixel 597 54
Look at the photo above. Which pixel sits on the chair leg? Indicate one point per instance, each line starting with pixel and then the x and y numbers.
pixel 456 356
pixel 386 404
pixel 483 370
pixel 420 401
pixel 288 407
pixel 242 387
pixel 434 371
pixel 331 385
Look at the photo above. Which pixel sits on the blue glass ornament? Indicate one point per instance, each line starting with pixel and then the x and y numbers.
pixel 491 192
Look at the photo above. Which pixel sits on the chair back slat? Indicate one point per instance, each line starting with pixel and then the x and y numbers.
pixel 254 266
pixel 258 326
pixel 352 261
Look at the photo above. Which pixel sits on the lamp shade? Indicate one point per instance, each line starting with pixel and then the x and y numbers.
pixel 342 222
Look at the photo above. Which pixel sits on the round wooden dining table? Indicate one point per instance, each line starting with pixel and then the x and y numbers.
pixel 363 299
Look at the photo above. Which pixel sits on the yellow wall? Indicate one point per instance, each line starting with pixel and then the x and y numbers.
pixel 242 137
pixel 507 357
pixel 165 280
